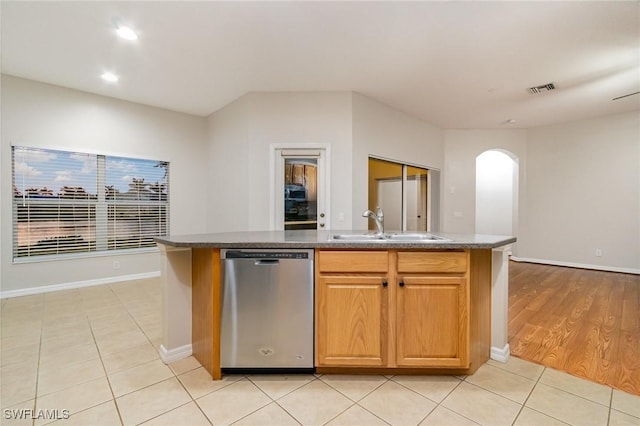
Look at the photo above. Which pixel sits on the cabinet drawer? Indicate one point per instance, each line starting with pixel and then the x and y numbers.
pixel 353 261
pixel 417 262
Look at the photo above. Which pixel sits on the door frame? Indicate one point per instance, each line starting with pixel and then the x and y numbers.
pixel 276 181
pixel 432 202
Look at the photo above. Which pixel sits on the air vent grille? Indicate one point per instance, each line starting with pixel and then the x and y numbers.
pixel 542 88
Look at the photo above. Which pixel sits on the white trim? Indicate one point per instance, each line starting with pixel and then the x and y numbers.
pixel 83 255
pixel 500 354
pixel 324 180
pixel 77 284
pixel 170 355
pixel 577 265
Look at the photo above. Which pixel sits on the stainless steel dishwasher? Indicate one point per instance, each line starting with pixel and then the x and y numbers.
pixel 267 310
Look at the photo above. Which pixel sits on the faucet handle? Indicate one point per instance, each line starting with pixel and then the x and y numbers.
pixel 379 212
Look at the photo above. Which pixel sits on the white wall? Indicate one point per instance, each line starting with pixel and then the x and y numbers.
pixel 381 131
pixel 35 114
pixel 240 136
pixel 583 192
pixel 227 183
pixel 459 177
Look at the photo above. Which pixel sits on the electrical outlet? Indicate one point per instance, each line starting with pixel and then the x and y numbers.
pixel 598 252
pixel 116 264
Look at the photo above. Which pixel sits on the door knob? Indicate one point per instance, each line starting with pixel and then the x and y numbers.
pixel 322 225
pixel 321 214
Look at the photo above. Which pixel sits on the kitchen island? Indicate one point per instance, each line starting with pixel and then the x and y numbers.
pixel 452 289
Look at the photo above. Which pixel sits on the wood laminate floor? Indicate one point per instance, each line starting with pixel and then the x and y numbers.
pixel 584 322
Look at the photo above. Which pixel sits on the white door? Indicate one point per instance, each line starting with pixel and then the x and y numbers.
pixel 300 187
pixel 390 199
pixel 416 196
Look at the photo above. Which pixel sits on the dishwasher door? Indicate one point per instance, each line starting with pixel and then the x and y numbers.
pixel 267 309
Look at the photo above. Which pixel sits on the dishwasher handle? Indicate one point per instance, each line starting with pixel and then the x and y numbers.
pixel 266 262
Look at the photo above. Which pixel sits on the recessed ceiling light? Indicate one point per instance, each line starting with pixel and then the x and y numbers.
pixel 126 33
pixel 110 77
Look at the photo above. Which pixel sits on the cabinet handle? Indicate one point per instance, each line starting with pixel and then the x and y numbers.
pixel 401 283
pixel 385 283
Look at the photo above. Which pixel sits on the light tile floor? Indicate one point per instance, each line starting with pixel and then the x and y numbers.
pixel 93 352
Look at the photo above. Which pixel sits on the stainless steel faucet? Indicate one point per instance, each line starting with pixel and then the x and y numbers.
pixel 378 217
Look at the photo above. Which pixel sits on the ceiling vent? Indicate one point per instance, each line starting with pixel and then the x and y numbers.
pixel 542 88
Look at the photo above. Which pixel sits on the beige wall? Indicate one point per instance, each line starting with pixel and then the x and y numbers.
pixel 40 115
pixel 227 179
pixel 354 127
pixel 459 177
pixel 583 192
pixel 240 135
pixel 579 189
pixel 384 132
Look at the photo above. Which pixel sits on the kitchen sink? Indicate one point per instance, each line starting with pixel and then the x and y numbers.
pixel 358 237
pixel 415 237
pixel 389 237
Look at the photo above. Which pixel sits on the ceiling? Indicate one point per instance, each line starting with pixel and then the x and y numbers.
pixel 453 64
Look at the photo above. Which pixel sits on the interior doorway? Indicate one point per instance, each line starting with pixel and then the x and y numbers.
pixel 300 185
pixel 300 193
pixel 497 193
pixel 408 195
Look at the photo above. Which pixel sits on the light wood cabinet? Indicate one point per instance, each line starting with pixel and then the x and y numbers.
pixel 351 308
pixel 351 320
pixel 393 309
pixel 431 322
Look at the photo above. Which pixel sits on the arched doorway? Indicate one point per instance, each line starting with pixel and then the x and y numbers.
pixel 497 193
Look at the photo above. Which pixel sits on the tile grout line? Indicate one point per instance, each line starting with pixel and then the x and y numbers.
pixel 610 407
pixel 175 376
pixel 435 402
pixel 276 400
pixel 524 403
pixel 35 397
pixel 106 375
pixel 365 395
pixel 287 411
pixel 188 393
pixel 575 394
pixel 387 380
pixel 450 392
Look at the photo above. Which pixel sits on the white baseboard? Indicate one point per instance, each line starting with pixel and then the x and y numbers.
pixel 500 354
pixel 77 284
pixel 175 354
pixel 577 265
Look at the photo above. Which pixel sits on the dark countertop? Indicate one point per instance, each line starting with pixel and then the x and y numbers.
pixel 321 239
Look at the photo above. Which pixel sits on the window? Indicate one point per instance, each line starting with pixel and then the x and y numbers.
pixel 67 203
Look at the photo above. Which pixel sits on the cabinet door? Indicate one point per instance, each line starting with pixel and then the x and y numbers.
pixel 351 321
pixel 432 321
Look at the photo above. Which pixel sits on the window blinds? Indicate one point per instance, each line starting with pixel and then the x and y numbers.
pixel 70 203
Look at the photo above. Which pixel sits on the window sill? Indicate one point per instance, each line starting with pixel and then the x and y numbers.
pixel 80 256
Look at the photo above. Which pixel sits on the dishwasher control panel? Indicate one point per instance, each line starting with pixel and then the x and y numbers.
pixel 265 255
